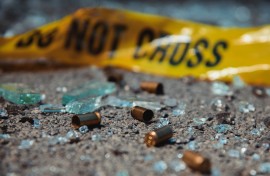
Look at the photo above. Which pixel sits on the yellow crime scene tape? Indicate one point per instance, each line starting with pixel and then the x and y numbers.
pixel 149 44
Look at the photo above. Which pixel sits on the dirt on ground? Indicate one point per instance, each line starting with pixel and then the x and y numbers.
pixel 116 147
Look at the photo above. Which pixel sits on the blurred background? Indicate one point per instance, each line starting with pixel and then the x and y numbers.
pixel 18 16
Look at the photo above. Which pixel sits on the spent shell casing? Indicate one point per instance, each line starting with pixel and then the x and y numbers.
pixel 158 136
pixel 142 114
pixel 114 77
pixel 88 119
pixel 152 87
pixel 259 92
pixel 197 162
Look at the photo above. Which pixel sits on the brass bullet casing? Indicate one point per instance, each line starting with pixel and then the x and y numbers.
pixel 197 162
pixel 142 114
pixel 259 92
pixel 152 87
pixel 158 136
pixel 114 77
pixel 85 119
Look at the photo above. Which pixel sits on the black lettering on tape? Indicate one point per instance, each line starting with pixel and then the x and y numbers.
pixel 118 31
pixel 42 40
pixel 98 38
pixel 161 49
pixel 146 34
pixel 217 55
pixel 76 33
pixel 26 42
pixel 199 57
pixel 174 62
pixel 46 40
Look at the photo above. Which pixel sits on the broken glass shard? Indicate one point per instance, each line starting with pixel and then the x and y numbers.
pixel 129 101
pixel 25 144
pixel 148 157
pixel 159 166
pixel 223 140
pixel 85 158
pixel 234 153
pixel 170 102
pixel 246 107
pixel 61 89
pixel 117 102
pixel 36 123
pixel 90 89
pixel 180 109
pixel 57 140
pixel 243 151
pixel 162 122
pixel 155 106
pixel 237 82
pixel 190 131
pixel 179 155
pixel 222 128
pixel 52 108
pixel 72 135
pixel 255 132
pixel 199 121
pixel 267 91
pixel 252 172
pixel 19 93
pixel 218 105
pixel 218 145
pixel 265 146
pixel 83 129
pixel 192 145
pixel 264 168
pixel 110 132
pixel 122 173
pixel 219 88
pixel 3 113
pixel 83 106
pixel 4 136
pixel 215 172
pixel 96 137
pixel 256 157
pixel 177 165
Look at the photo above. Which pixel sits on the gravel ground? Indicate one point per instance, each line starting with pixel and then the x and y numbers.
pixel 116 147
pixel 121 150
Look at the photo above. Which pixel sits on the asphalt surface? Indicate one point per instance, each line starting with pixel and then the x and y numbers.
pixel 120 147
